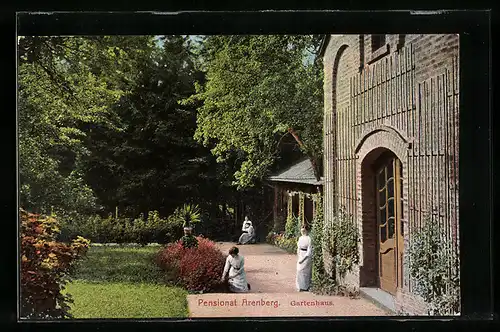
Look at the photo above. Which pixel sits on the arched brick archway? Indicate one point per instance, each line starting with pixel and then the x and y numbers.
pixel 332 127
pixel 380 143
pixel 330 139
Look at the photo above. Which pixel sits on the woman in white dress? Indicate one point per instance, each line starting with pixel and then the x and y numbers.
pixel 246 223
pixel 248 236
pixel 237 278
pixel 304 261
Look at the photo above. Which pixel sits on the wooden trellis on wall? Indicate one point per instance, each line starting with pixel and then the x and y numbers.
pixel 426 112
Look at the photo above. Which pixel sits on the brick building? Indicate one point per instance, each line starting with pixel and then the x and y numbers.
pixel 391 149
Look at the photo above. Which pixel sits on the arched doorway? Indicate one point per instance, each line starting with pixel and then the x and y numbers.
pixel 382 215
pixel 388 184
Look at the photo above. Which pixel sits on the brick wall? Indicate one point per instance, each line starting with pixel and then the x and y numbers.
pixel 402 97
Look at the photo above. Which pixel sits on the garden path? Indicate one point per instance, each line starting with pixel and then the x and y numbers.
pixel 271 274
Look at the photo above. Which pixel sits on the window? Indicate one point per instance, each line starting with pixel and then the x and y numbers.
pixel 377 42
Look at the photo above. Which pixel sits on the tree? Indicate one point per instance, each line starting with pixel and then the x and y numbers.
pixel 66 85
pixel 258 90
pixel 153 163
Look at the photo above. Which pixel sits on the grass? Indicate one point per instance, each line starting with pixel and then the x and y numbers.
pixel 119 264
pixel 123 282
pixel 126 300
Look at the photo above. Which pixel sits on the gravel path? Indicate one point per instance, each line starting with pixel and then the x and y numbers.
pixel 271 274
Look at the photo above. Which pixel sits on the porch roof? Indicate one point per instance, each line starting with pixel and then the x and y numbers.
pixel 300 172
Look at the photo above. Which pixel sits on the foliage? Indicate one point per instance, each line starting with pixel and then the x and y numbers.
pixel 318 269
pixel 342 240
pixel 434 267
pixel 189 241
pixel 270 237
pixel 153 229
pixel 300 217
pixel 101 127
pixel 283 242
pixel 198 269
pixel 257 90
pixel 155 154
pixel 67 85
pixel 323 281
pixel 127 300
pixel 46 267
pixel 292 226
pixel 188 215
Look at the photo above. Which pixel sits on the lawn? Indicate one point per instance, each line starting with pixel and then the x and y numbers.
pixel 123 282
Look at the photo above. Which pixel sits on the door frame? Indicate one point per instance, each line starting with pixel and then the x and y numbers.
pixel 382 161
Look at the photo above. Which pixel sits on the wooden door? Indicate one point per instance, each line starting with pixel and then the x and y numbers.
pixel 390 231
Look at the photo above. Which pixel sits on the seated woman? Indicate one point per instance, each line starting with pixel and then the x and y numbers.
pixel 246 223
pixel 248 236
pixel 237 278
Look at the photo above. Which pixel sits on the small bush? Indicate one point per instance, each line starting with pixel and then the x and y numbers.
pixel 198 269
pixel 434 266
pixel 46 267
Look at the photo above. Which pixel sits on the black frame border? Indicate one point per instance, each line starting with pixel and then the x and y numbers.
pixel 476 186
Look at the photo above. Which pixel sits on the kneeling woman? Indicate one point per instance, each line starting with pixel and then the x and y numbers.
pixel 237 278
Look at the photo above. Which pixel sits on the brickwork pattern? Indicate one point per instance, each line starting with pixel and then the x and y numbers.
pixel 402 97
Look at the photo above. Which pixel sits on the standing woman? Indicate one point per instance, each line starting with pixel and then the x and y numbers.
pixel 304 261
pixel 237 278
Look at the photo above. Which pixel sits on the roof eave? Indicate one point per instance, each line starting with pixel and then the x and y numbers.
pixel 310 182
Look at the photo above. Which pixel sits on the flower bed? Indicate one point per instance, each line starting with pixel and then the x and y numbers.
pixel 281 241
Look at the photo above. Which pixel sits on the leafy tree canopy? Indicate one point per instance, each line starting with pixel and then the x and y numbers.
pixel 258 89
pixel 67 84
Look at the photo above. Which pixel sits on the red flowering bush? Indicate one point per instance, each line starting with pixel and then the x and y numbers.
pixel 168 260
pixel 46 266
pixel 197 268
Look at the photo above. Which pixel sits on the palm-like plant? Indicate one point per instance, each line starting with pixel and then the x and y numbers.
pixel 188 215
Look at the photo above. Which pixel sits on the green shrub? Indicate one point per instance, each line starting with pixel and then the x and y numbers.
pixel 318 269
pixel 292 227
pixel 323 281
pixel 189 241
pixel 123 230
pixel 46 267
pixel 342 239
pixel 434 267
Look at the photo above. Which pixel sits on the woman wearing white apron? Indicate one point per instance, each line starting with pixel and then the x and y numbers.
pixel 246 223
pixel 237 278
pixel 249 236
pixel 304 261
